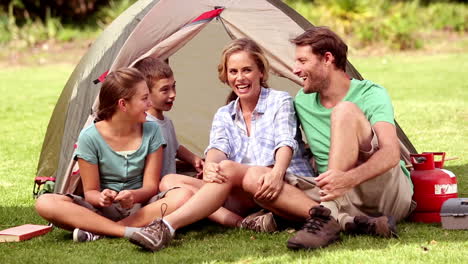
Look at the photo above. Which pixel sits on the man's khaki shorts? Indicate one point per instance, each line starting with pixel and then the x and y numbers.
pixel 389 193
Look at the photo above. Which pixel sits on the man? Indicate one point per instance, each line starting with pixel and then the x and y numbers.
pixel 349 126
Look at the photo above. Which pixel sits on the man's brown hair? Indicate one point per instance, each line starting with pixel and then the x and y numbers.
pixel 322 40
pixel 153 70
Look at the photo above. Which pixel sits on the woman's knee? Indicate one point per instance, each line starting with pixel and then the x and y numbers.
pixel 250 181
pixel 234 171
pixel 227 166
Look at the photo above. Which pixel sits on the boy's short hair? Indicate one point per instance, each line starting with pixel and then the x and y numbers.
pixel 153 70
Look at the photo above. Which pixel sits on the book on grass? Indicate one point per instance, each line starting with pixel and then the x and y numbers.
pixel 23 232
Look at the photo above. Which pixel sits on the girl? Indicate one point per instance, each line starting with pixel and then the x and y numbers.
pixel 120 159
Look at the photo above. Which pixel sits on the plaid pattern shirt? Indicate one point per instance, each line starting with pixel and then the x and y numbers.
pixel 274 124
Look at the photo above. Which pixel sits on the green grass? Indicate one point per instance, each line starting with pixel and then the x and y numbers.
pixel 429 95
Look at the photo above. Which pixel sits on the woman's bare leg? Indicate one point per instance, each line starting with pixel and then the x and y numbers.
pixel 291 203
pixel 210 197
pixel 223 216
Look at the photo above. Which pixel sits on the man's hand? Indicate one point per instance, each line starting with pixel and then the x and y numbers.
pixel 334 184
pixel 125 198
pixel 211 173
pixel 107 197
pixel 198 164
pixel 269 186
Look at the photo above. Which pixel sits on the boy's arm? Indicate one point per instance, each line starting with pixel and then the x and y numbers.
pixel 186 155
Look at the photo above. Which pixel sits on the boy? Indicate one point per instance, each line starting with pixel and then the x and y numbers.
pixel 160 80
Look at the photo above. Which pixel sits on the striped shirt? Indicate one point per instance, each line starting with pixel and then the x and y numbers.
pixel 274 125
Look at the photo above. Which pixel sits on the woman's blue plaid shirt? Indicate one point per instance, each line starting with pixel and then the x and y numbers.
pixel 275 125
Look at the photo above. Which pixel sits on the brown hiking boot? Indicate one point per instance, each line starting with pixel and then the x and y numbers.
pixel 383 226
pixel 260 221
pixel 152 237
pixel 320 230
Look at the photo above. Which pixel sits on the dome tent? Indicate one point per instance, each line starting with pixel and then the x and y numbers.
pixel 191 35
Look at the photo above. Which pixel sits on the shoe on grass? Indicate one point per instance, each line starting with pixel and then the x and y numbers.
pixel 84 236
pixel 383 226
pixel 261 221
pixel 152 237
pixel 320 230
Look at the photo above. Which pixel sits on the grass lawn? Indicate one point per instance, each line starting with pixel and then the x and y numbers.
pixel 429 94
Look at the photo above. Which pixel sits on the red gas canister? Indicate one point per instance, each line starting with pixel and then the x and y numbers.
pixel 433 185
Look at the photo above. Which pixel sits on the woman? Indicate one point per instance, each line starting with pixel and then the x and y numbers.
pixel 252 152
pixel 120 160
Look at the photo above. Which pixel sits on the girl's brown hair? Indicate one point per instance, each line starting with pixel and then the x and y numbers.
pixel 248 45
pixel 119 84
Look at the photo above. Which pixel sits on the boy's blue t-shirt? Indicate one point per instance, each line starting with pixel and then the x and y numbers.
pixel 118 172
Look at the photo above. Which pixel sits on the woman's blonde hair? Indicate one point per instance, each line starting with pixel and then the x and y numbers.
pixel 248 45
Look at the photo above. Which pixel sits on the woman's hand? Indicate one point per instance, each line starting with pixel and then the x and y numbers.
pixel 107 197
pixel 125 198
pixel 270 185
pixel 211 173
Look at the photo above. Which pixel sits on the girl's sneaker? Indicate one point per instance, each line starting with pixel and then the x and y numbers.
pixel 84 236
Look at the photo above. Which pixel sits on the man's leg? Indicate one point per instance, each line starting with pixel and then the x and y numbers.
pixel 353 142
pixel 393 200
pixel 350 132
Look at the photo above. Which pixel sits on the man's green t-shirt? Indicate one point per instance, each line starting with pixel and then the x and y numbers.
pixel 371 98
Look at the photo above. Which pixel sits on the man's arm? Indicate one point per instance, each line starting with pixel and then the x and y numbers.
pixel 385 158
pixel 335 183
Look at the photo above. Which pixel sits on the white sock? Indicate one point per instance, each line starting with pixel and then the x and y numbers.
pixel 333 206
pixel 171 229
pixel 130 230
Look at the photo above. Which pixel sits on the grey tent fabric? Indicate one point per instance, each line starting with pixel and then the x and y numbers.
pixel 174 30
pixel 74 104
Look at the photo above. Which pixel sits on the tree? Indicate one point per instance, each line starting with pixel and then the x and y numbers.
pixel 64 9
